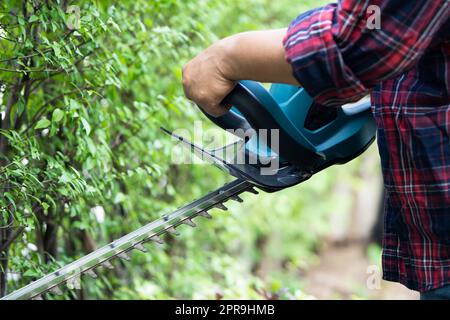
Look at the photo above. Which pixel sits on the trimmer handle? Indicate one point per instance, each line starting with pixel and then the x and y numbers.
pixel 232 120
pixel 255 105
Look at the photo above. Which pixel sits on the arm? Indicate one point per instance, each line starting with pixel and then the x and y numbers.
pixel 257 55
pixel 339 59
pixel 330 50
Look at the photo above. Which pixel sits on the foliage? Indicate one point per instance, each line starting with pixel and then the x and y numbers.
pixel 83 160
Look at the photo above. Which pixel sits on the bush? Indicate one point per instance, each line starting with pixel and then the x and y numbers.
pixel 84 90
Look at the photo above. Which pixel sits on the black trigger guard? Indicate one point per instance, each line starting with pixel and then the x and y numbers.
pixel 231 121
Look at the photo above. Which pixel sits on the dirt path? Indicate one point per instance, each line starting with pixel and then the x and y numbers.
pixel 343 274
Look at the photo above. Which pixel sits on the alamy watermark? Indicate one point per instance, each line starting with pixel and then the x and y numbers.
pixel 373 281
pixel 373 17
pixel 254 147
pixel 74 18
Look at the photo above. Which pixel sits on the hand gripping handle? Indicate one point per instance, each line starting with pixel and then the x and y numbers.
pixel 255 114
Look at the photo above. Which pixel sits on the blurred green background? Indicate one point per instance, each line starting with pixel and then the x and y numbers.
pixel 83 92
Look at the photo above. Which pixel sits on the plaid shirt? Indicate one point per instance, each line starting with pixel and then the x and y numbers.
pixel 405 66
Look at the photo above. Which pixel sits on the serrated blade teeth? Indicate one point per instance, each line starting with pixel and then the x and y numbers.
pixel 189 222
pixel 221 206
pixel 107 264
pixel 205 214
pixel 237 198
pixel 252 190
pixel 91 273
pixel 140 247
pixel 172 231
pixel 157 239
pixel 56 290
pixel 123 255
pixel 74 284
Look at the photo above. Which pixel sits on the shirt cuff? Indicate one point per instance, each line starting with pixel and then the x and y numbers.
pixel 318 64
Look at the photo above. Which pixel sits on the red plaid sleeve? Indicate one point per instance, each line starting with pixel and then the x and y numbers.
pixel 339 58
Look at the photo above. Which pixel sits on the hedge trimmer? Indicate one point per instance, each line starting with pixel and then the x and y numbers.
pixel 308 138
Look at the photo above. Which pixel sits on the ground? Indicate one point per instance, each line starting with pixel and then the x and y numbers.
pixel 342 274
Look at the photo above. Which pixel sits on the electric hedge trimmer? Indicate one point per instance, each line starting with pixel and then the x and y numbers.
pixel 310 138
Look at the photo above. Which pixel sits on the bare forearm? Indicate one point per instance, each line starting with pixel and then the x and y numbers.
pixel 257 55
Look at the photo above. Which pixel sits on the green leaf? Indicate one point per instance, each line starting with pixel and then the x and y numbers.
pixel 56 49
pixel 43 123
pixel 57 115
pixel 31 273
pixel 64 178
pixel 114 24
pixel 11 199
pixel 16 110
pixel 86 125
pixel 33 18
pixel 45 205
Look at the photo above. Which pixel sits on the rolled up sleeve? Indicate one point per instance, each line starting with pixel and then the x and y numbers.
pixel 338 57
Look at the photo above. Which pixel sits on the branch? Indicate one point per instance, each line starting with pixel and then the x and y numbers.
pixel 12 237
pixel 25 57
pixel 31 70
pixel 41 109
pixel 44 51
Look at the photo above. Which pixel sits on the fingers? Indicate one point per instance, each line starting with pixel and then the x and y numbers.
pixel 205 85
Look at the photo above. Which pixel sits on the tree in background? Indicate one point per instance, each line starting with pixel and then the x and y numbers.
pixel 84 87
